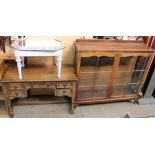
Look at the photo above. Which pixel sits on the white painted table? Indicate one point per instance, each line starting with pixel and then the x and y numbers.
pixel 37 52
pixel 19 55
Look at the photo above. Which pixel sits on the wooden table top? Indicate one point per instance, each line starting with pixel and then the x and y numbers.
pixel 112 45
pixel 39 73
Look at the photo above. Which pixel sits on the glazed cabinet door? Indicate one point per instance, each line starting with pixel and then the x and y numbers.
pixel 129 75
pixel 103 76
pixel 94 77
pixel 111 76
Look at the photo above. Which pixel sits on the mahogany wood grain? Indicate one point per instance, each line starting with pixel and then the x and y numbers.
pixel 112 45
pixel 39 73
pixel 104 100
pixel 114 72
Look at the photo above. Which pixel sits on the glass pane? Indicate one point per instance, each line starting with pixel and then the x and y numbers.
pixel 100 91
pixel 103 76
pixel 89 61
pixel 124 70
pixel 126 64
pixel 136 76
pixel 86 77
pixel 84 94
pixel 131 89
pixel 106 63
pixel 105 66
pixel 141 63
pixel 119 90
pixel 85 89
pixel 129 75
pixel 122 78
pixel 88 67
pixel 95 74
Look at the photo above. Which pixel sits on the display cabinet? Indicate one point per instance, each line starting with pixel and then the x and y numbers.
pixel 110 70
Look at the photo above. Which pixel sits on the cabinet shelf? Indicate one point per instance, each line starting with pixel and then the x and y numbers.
pixel 106 71
pixel 89 94
pixel 124 90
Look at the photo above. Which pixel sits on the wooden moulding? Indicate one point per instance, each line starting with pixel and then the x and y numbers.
pixel 112 46
pixel 106 100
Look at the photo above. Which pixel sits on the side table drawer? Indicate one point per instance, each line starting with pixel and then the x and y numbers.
pixel 64 92
pixel 16 86
pixel 17 93
pixel 16 90
pixel 42 84
pixel 64 84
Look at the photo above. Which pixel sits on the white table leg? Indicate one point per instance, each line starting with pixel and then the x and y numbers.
pixel 59 61
pixel 56 62
pixel 23 64
pixel 19 66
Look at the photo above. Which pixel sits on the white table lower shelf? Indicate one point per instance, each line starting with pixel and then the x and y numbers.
pixel 19 55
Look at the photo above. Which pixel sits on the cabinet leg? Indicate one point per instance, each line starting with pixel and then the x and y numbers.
pixel 72 107
pixel 72 111
pixel 10 109
pixel 11 115
pixel 134 101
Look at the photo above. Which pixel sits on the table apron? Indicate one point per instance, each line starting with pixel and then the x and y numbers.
pixel 37 53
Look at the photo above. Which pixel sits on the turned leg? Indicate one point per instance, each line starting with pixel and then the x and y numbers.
pixel 59 61
pixel 73 97
pixel 56 62
pixel 23 64
pixel 72 107
pixel 19 66
pixel 10 109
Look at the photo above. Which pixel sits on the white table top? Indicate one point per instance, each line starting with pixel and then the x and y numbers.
pixel 38 43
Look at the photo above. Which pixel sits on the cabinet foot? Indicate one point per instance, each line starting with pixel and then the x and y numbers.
pixel 134 101
pixel 72 111
pixel 11 115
